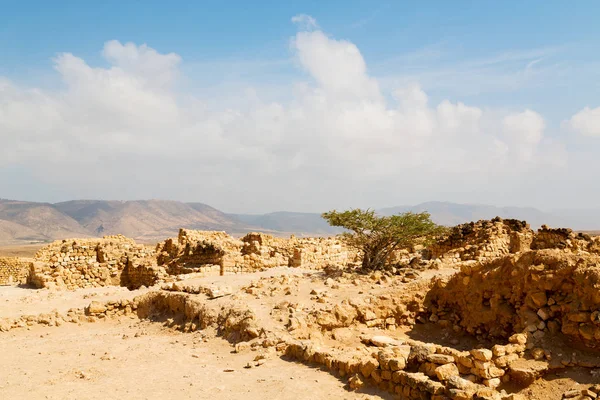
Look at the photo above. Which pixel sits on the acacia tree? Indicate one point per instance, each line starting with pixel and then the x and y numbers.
pixel 378 236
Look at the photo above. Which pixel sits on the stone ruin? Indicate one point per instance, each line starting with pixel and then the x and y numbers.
pixel 317 253
pixel 119 261
pixel 14 270
pixel 487 240
pixel 528 298
pixel 84 263
pixel 483 240
pixel 564 239
pixel 210 253
pixel 538 292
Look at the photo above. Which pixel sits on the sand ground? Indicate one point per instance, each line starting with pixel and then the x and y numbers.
pixel 134 359
pixel 16 301
pixel 143 360
pixel 20 250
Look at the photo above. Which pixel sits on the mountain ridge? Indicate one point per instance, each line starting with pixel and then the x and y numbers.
pixel 154 220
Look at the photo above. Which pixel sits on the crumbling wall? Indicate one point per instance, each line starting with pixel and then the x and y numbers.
pixel 267 245
pixel 194 251
pixel 564 238
pixel 541 292
pixel 483 240
pixel 81 263
pixel 265 251
pixel 486 240
pixel 143 272
pixel 14 270
pixel 417 370
pixel 317 253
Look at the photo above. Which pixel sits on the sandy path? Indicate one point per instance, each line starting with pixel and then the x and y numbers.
pixel 96 361
pixel 20 250
pixel 17 301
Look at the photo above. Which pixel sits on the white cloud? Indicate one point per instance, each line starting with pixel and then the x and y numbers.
pixel 305 22
pixel 586 122
pixel 142 61
pixel 524 131
pixel 336 65
pixel 124 132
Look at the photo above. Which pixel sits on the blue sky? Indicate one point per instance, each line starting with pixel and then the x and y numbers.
pixel 247 59
pixel 394 37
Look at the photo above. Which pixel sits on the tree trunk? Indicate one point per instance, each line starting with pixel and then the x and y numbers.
pixel 375 259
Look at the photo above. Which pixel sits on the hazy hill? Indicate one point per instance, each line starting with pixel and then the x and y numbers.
pixel 292 222
pixel 449 214
pixel 147 219
pixel 13 232
pixel 42 221
pixel 154 220
pixel 580 219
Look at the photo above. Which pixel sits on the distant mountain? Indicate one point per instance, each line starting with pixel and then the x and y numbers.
pixel 37 221
pixel 449 214
pixel 12 232
pixel 154 220
pixel 588 220
pixel 291 222
pixel 147 219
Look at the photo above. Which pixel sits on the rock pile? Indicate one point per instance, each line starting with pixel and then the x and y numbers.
pixel 583 394
pixel 143 272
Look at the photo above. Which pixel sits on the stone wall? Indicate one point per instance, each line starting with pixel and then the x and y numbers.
pixel 317 253
pixel 483 240
pixel 117 260
pixel 486 240
pixel 81 263
pixel 265 251
pixel 541 292
pixel 418 370
pixel 143 272
pixel 14 270
pixel 564 238
pixel 194 251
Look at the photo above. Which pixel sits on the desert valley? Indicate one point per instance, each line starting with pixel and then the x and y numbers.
pixel 299 200
pixel 491 310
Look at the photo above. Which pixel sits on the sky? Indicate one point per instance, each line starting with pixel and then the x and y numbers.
pixel 301 105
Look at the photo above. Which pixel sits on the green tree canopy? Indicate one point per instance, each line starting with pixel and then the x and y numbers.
pixel 378 236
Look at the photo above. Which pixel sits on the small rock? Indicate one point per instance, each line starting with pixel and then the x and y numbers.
pixel 444 372
pixel 384 341
pixel 482 354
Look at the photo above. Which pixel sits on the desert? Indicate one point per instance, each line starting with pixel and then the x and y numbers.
pixel 492 310
pixel 261 200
